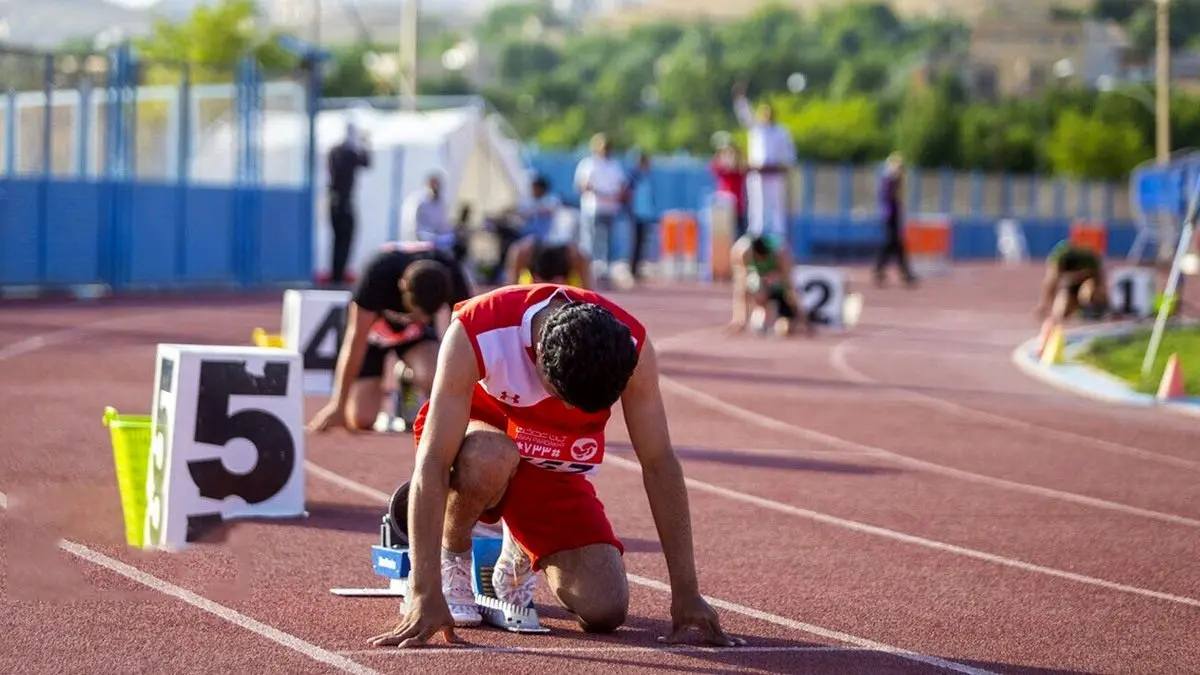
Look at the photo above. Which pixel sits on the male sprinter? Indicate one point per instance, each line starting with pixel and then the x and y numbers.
pixel 526 380
pixel 394 309
pixel 1074 281
pixel 761 278
pixel 545 262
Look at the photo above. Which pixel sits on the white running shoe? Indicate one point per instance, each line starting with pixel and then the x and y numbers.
pixel 513 577
pixel 459 592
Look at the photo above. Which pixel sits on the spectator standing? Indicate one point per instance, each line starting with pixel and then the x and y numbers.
pixel 343 163
pixel 600 181
pixel 730 173
pixel 891 207
pixel 640 208
pixel 771 153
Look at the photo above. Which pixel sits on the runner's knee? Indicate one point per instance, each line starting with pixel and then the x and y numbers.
pixel 590 581
pixel 486 461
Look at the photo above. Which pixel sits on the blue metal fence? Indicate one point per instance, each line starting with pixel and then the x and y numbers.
pixel 836 216
pixel 97 200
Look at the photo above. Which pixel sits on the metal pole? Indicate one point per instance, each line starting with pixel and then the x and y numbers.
pixel 408 52
pixel 1163 83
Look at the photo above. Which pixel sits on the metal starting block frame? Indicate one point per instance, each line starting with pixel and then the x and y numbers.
pixel 391 561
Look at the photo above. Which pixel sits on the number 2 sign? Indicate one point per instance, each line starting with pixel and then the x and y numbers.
pixel 228 440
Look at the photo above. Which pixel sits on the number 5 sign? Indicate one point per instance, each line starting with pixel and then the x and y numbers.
pixel 228 440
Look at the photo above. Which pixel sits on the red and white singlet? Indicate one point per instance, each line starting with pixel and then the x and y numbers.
pixel 547 432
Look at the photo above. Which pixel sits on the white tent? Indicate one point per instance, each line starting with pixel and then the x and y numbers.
pixel 482 166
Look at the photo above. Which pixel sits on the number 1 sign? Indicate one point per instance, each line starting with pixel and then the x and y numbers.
pixel 228 440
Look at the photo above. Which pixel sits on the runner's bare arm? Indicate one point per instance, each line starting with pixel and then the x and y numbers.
pixel 445 425
pixel 354 346
pixel 1049 288
pixel 662 475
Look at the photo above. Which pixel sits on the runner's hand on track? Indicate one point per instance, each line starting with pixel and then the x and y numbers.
pixel 425 618
pixel 329 417
pixel 694 612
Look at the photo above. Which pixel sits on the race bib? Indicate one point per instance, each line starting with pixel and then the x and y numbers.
pixel 556 451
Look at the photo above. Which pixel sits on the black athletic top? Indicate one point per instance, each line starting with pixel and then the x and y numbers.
pixel 378 290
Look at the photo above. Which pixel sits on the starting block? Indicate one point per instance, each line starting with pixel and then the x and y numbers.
pixel 390 560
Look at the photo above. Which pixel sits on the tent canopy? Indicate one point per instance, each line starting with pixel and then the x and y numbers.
pixel 483 168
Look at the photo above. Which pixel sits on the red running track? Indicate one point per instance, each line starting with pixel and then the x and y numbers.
pixel 894 499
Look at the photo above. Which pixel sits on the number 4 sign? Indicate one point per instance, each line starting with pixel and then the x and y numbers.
pixel 228 440
pixel 314 323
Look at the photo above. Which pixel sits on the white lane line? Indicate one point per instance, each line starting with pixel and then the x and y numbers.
pixel 736 608
pixel 468 650
pixel 752 417
pixel 232 616
pixel 823 632
pixel 838 359
pixel 864 528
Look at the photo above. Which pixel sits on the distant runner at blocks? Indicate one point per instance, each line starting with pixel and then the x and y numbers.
pixel 539 256
pixel 762 286
pixel 394 308
pixel 528 378
pixel 1074 282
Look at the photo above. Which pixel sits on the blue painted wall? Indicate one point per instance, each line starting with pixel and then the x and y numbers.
pixel 61 228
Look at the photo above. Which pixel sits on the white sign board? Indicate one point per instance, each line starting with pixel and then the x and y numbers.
pixel 822 293
pixel 228 440
pixel 1131 291
pixel 314 323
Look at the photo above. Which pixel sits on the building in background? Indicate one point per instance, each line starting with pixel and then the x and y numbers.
pixel 1022 57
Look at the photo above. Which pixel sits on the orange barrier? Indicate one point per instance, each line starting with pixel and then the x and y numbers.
pixel 1090 234
pixel 927 242
pixel 680 243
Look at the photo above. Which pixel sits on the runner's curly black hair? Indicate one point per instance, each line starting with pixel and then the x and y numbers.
pixel 587 355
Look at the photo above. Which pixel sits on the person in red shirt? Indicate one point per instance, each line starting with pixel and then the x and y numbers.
pixel 730 173
pixel 526 380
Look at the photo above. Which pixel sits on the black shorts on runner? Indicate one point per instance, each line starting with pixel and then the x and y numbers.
pixel 783 308
pixel 375 356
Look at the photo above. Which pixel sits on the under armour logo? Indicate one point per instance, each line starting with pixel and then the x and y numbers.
pixel 506 397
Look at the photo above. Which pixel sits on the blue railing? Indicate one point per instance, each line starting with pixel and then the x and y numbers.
pixel 99 219
pixel 832 222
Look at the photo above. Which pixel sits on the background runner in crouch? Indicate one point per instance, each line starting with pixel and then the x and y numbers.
pixel 761 282
pixel 394 309
pixel 1074 281
pixel 527 379
pixel 540 262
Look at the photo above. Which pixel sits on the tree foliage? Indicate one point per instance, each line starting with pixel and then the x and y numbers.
pixel 211 41
pixel 872 83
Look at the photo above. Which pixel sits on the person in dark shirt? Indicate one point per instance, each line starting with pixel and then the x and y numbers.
pixel 400 302
pixel 344 161
pixel 890 190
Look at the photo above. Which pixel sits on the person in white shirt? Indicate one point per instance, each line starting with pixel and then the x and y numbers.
pixel 771 153
pixel 601 184
pixel 424 218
